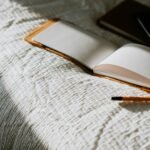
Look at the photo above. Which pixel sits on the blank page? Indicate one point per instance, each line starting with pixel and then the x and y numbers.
pixel 85 47
pixel 134 57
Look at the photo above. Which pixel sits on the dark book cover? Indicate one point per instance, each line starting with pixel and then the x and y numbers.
pixel 123 20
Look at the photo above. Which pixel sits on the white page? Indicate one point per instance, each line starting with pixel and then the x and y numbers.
pixel 134 57
pixel 85 47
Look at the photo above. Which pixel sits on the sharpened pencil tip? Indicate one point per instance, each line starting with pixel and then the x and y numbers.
pixel 116 98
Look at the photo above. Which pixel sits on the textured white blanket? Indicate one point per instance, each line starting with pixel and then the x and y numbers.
pixel 47 102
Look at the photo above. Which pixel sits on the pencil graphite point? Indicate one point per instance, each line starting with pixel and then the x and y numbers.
pixel 116 98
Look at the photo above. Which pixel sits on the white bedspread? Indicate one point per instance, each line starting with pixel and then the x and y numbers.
pixel 47 102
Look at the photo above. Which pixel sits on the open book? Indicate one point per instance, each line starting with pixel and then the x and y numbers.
pixel 129 63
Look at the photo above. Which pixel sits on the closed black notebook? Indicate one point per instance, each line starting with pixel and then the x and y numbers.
pixel 123 19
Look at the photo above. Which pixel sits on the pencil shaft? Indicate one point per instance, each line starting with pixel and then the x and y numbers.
pixel 136 99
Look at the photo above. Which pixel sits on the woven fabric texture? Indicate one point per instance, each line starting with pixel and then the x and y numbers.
pixel 47 102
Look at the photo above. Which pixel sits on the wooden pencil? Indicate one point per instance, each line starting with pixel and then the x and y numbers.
pixel 131 98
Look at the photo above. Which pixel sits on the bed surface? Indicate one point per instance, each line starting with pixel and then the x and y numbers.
pixel 47 102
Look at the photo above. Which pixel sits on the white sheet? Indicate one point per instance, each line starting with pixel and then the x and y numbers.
pixel 87 48
pixel 47 102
